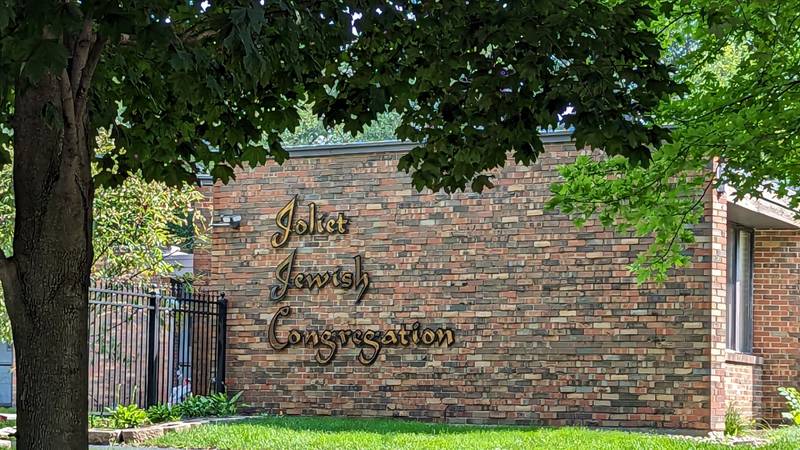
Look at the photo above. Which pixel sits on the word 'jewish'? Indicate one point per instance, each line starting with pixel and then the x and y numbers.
pixel 286 278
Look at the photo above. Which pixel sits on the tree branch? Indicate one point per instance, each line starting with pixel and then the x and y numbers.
pixel 691 208
pixel 80 54
pixel 68 110
pixel 194 39
pixel 88 72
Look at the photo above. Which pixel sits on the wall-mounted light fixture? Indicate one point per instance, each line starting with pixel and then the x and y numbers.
pixel 229 220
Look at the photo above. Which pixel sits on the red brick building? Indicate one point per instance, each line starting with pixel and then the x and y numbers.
pixel 523 318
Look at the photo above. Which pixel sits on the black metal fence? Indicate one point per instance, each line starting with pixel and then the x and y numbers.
pixel 150 345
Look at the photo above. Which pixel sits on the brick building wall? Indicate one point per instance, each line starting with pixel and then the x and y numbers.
pixel 550 326
pixel 776 314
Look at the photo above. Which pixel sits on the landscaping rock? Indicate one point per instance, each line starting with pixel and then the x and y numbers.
pixel 5 444
pixel 100 436
pixel 7 432
pixel 194 423
pixel 719 438
pixel 133 435
pixel 141 434
pixel 171 427
pixel 229 419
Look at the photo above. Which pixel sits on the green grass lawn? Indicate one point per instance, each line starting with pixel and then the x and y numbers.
pixel 341 433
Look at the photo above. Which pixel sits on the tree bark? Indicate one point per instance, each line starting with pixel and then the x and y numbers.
pixel 47 279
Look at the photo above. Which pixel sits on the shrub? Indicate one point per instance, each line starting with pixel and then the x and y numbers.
pixel 193 406
pixel 792 397
pixel 735 424
pixel 211 405
pixel 223 405
pixel 162 413
pixel 129 416
pixel 99 422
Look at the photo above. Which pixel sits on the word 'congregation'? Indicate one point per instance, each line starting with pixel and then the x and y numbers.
pixel 328 342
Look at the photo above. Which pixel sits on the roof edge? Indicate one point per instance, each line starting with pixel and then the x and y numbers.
pixel 357 148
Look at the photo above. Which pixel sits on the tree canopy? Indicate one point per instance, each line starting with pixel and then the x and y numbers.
pixel 740 62
pixel 208 86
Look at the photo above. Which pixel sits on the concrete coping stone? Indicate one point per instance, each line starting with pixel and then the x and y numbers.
pixel 132 435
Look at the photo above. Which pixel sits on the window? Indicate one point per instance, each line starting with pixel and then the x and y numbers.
pixel 740 289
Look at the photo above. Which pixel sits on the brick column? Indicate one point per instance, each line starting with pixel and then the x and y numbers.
pixel 717 211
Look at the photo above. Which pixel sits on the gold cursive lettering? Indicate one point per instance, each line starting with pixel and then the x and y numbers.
pixel 371 342
pixel 315 223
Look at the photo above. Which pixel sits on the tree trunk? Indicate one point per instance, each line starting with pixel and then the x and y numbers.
pixel 47 279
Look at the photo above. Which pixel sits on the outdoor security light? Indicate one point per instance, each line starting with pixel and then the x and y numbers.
pixel 229 220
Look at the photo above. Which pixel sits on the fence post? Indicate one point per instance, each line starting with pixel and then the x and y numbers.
pixel 222 326
pixel 152 351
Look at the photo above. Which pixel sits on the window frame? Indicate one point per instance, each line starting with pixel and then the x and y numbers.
pixel 733 319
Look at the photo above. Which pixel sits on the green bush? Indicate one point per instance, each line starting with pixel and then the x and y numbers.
pixel 162 413
pixel 208 405
pixel 223 405
pixel 129 416
pixel 735 424
pixel 792 397
pixel 99 422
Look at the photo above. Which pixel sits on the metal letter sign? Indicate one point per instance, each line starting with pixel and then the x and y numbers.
pixel 328 342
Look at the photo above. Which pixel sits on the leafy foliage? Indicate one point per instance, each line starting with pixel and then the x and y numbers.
pixel 96 421
pixel 312 131
pixel 162 413
pixel 792 397
pixel 740 62
pixel 126 416
pixel 133 223
pixel 194 86
pixel 209 405
pixel 475 82
pixel 735 424
pixel 131 416
pixel 6 232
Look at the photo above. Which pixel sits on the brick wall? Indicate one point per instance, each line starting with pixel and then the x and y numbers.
pixel 550 326
pixel 743 390
pixel 776 313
